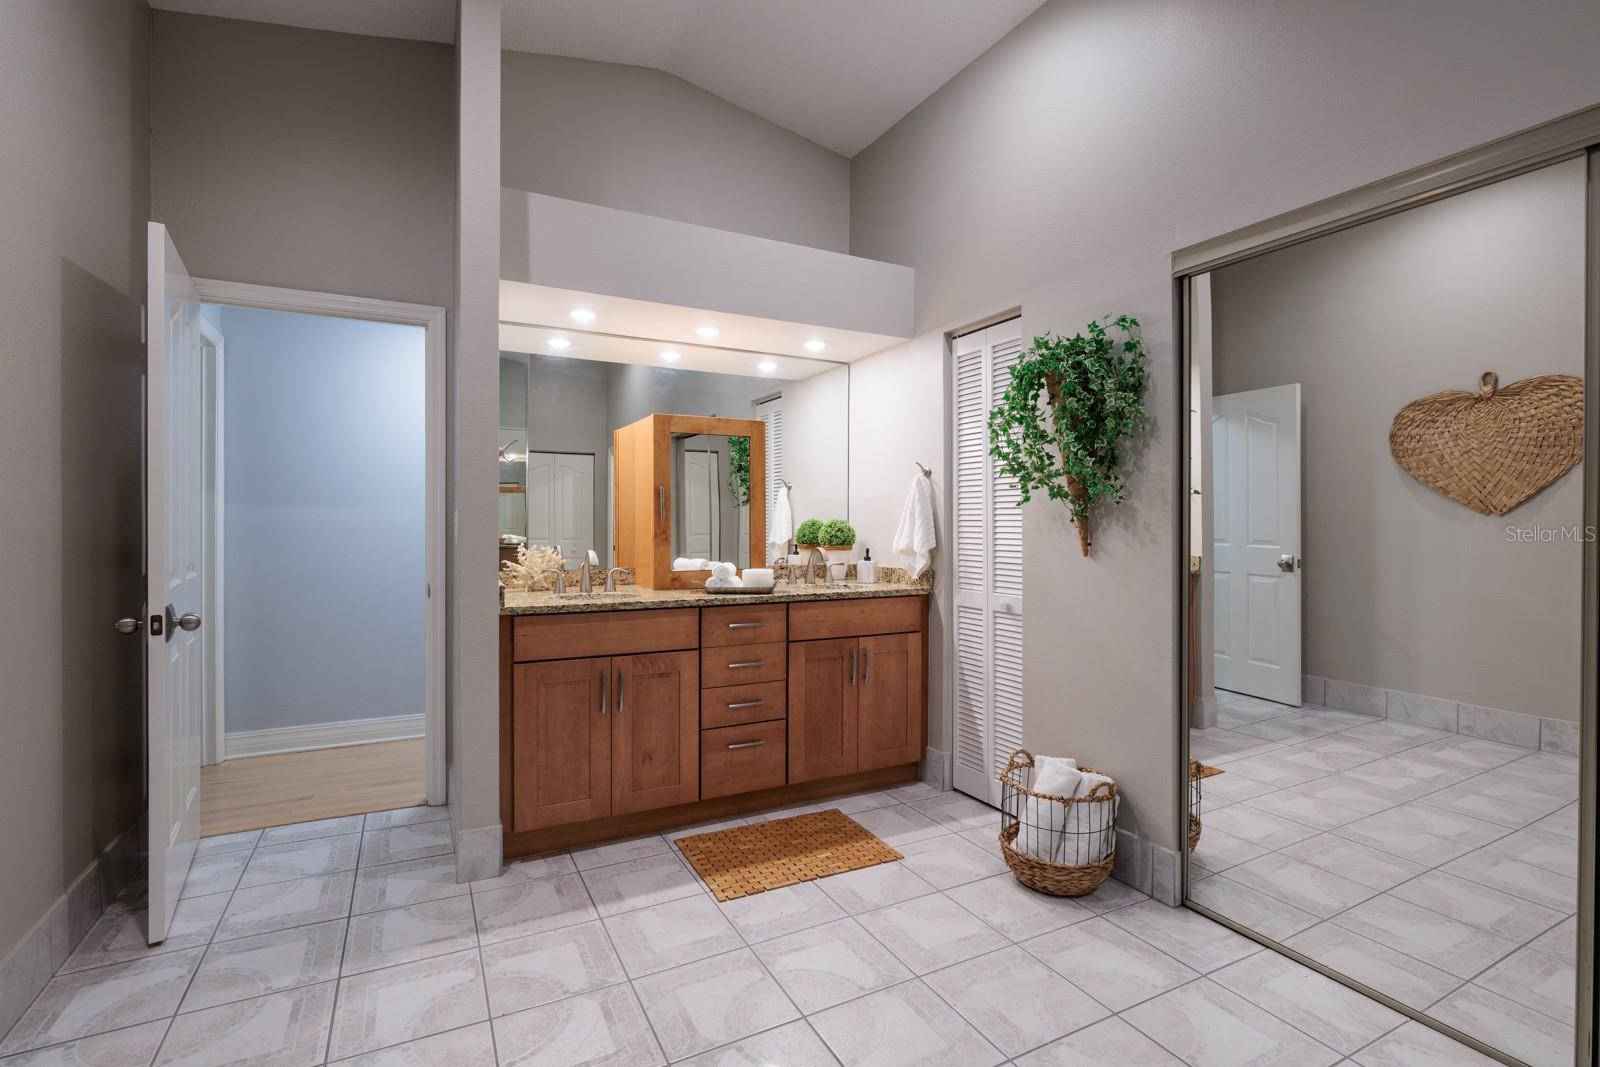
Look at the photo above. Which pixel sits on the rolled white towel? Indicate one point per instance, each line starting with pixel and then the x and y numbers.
pixel 723 570
pixel 1044 822
pixel 690 563
pixel 723 583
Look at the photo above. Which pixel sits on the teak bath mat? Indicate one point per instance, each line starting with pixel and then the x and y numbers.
pixel 770 855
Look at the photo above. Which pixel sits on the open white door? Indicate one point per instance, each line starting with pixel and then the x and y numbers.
pixel 1255 495
pixel 175 573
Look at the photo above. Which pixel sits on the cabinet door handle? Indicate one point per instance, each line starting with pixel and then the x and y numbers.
pixel 747 744
pixel 744 626
pixel 748 704
pixel 852 667
pixel 619 690
pixel 746 665
pixel 603 676
pixel 866 665
pixel 661 503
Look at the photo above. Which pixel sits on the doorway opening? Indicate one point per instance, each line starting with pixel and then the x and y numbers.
pixel 323 510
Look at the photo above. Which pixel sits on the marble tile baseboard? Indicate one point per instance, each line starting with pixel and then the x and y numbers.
pixel 936 768
pixel 1417 709
pixel 47 944
pixel 1152 869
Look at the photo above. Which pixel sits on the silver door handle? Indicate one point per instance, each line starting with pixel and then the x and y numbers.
pixel 129 626
pixel 619 691
pixel 852 667
pixel 1286 564
pixel 746 665
pixel 661 503
pixel 603 676
pixel 748 704
pixel 866 665
pixel 747 744
pixel 189 622
pixel 744 626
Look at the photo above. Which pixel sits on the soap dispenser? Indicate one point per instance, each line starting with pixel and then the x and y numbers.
pixel 866 569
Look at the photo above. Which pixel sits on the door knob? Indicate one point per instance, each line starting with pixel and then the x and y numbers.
pixel 1286 564
pixel 129 626
pixel 188 621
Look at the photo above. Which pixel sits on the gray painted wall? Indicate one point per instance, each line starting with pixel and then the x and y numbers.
pixel 1405 589
pixel 1059 171
pixel 643 140
pixel 324 519
pixel 75 175
pixel 338 178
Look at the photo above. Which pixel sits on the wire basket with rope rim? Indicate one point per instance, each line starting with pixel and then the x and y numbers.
pixel 1078 829
pixel 1198 772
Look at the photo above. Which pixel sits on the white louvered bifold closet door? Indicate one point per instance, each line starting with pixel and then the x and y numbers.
pixel 988 569
pixel 770 412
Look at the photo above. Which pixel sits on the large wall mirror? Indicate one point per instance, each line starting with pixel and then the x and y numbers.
pixel 736 438
pixel 1385 690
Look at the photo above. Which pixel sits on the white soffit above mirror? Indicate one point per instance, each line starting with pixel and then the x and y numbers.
pixel 644 352
pixel 666 276
pixel 522 304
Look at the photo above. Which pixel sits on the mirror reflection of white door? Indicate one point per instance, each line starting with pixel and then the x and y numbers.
pixel 1255 496
pixel 702 506
pixel 561 502
pixel 175 694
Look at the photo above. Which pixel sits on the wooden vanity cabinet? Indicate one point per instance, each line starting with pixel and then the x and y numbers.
pixel 655 731
pixel 890 701
pixel 561 738
pixel 822 709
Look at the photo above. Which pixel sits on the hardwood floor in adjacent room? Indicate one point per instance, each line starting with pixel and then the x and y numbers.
pixel 259 791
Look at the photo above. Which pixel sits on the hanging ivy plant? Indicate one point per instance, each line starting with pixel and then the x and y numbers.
pixel 739 469
pixel 1092 387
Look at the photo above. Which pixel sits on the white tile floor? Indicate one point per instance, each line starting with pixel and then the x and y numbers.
pixel 1438 868
pixel 349 941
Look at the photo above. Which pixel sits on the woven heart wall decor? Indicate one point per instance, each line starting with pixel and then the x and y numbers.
pixel 1495 448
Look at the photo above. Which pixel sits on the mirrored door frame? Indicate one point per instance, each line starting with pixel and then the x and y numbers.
pixel 1569 137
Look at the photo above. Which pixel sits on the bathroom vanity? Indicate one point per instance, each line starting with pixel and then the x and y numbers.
pixel 650 709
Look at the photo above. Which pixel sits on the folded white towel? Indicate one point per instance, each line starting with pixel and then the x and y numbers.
pixel 781 528
pixel 723 570
pixel 914 538
pixel 723 583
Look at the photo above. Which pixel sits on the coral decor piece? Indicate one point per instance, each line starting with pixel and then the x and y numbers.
pixel 1495 448
pixel 531 571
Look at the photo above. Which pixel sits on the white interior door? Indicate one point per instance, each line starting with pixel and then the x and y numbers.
pixel 561 502
pixel 174 569
pixel 1255 496
pixel 988 569
pixel 702 513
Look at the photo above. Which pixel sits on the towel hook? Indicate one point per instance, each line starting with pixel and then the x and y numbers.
pixel 786 484
pixel 926 473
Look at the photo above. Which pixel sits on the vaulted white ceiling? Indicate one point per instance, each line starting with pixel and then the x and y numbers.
pixel 839 72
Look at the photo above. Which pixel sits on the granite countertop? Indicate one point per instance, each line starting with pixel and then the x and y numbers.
pixel 634 598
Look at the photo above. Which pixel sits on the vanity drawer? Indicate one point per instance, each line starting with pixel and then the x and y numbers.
pixel 740 759
pixel 604 633
pixel 743 664
pixel 824 619
pixel 748 624
pixel 735 705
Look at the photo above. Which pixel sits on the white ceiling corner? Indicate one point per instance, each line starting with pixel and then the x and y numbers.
pixel 415 20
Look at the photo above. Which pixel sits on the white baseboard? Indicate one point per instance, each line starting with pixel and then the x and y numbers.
pixel 322 735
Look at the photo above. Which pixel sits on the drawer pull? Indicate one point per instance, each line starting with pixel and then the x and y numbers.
pixel 748 704
pixel 603 676
pixel 747 744
pixel 744 626
pixel 747 665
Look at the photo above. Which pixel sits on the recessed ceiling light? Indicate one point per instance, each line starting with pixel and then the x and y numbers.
pixel 815 345
pixel 582 315
pixel 669 355
pixel 560 344
pixel 706 332
pixel 766 366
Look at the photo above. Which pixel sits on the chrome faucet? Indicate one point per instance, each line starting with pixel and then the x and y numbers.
pixel 611 578
pixel 816 555
pixel 590 561
pixel 561 579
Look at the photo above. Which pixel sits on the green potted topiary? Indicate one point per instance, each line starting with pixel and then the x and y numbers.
pixel 839 538
pixel 808 535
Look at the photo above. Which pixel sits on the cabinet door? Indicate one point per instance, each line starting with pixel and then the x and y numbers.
pixel 561 743
pixel 822 709
pixel 655 731
pixel 890 700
